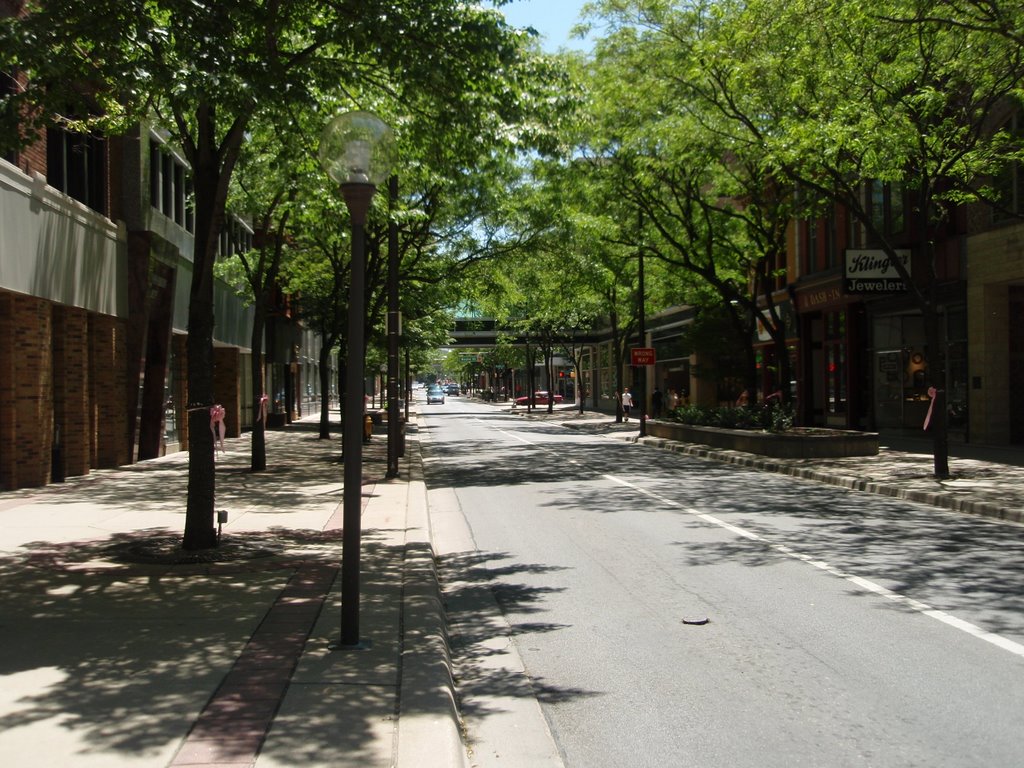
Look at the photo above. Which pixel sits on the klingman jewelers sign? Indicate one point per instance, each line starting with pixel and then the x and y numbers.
pixel 872 272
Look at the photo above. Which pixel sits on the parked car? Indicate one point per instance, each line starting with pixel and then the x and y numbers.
pixel 539 398
pixel 435 395
pixel 452 389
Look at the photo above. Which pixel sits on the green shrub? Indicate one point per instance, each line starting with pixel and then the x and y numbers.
pixel 771 417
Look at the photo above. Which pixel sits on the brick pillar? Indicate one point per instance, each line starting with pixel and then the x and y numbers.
pixel 228 388
pixel 108 376
pixel 71 387
pixel 7 420
pixel 26 384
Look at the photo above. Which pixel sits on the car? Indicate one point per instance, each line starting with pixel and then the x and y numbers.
pixel 452 389
pixel 435 395
pixel 539 398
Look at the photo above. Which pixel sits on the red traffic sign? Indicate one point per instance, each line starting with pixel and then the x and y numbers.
pixel 642 355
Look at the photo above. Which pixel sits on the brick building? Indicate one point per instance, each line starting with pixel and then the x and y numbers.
pixel 95 266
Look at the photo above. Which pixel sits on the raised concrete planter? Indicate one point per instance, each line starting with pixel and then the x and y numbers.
pixel 797 444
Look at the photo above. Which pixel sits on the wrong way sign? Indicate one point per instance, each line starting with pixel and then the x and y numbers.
pixel 642 355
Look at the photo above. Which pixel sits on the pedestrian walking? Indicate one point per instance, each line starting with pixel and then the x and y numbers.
pixel 673 400
pixel 627 403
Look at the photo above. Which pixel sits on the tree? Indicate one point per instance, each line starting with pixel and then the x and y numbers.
pixel 274 166
pixel 904 93
pixel 457 64
pixel 690 159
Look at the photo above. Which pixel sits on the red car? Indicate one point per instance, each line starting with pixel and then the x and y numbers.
pixel 539 398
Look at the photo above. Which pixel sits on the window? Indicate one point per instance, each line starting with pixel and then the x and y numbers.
pixel 170 186
pixel 76 164
pixel 1009 184
pixel 886 207
pixel 823 251
pixel 235 237
pixel 877 206
pixel 835 362
pixel 897 206
pixel 831 241
pixel 167 186
pixel 956 366
pixel 812 247
pixel 154 175
pixel 179 194
pixel 8 87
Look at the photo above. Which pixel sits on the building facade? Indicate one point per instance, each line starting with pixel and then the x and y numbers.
pixel 95 268
pixel 858 348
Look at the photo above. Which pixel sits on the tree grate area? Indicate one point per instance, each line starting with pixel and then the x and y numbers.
pixel 166 550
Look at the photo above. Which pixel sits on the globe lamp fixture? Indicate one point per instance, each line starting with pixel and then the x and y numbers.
pixel 357 148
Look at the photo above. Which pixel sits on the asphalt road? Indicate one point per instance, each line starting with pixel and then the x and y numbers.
pixel 842 629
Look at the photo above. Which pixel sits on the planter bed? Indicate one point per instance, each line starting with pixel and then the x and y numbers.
pixel 794 444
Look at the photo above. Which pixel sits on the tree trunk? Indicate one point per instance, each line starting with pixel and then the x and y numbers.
pixel 936 353
pixel 258 453
pixel 530 375
pixel 325 379
pixel 937 422
pixel 199 512
pixel 212 164
pixel 549 369
pixel 577 364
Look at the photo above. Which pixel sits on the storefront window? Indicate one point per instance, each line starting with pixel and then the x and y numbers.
pixel 835 362
pixel 956 368
pixel 171 432
pixel 901 375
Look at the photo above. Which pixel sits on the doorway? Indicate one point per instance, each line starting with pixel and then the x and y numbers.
pixel 1016 363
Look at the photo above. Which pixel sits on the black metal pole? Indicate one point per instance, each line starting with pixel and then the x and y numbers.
pixel 408 385
pixel 643 333
pixel 394 329
pixel 357 197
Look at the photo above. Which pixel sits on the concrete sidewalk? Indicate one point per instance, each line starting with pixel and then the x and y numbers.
pixel 116 657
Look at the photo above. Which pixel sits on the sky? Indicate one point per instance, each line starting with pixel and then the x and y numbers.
pixel 551 18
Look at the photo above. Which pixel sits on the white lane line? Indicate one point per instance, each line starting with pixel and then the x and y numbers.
pixel 865 584
pixel 672 503
pixel 513 435
pixel 859 581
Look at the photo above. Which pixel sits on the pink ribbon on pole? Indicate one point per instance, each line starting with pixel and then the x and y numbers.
pixel 217 426
pixel 932 392
pixel 264 399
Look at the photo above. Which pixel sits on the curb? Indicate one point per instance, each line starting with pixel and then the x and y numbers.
pixel 931 498
pixel 429 732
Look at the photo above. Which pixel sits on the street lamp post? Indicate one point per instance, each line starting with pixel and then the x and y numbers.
pixel 643 329
pixel 356 150
pixel 394 331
